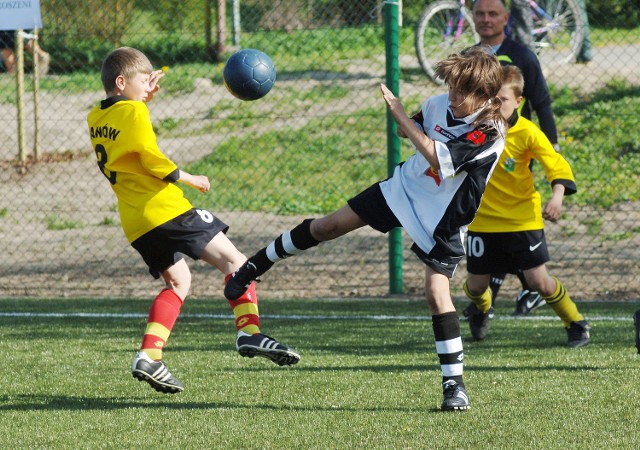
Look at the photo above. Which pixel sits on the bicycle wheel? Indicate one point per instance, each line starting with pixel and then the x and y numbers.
pixel 558 30
pixel 444 28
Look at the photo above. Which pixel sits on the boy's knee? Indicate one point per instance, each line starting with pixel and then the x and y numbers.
pixel 179 283
pixel 474 287
pixel 323 229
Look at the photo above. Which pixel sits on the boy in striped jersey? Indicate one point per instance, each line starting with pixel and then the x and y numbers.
pixel 433 195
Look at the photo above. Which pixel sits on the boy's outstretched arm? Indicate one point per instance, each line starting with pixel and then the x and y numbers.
pixel 199 182
pixel 407 128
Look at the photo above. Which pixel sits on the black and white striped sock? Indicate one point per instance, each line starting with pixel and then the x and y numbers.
pixel 287 244
pixel 446 329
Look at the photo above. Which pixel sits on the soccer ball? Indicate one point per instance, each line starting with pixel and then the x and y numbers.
pixel 249 74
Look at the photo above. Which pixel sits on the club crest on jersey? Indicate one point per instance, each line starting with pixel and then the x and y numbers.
pixel 433 174
pixel 509 165
pixel 477 137
pixel 442 131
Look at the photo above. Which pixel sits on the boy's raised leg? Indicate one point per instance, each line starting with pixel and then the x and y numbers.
pixel 287 244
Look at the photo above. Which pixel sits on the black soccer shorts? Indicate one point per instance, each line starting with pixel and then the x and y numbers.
pixel 505 252
pixel 188 234
pixel 371 206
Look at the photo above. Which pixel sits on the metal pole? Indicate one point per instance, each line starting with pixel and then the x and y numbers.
pixel 235 22
pixel 36 102
pixel 207 30
pixel 20 94
pixel 390 12
pixel 221 24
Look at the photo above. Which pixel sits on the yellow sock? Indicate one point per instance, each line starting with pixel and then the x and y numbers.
pixel 483 301
pixel 562 304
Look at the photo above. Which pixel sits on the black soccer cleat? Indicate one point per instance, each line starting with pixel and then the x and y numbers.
pixel 156 374
pixel 455 397
pixel 578 334
pixel 240 281
pixel 250 345
pixel 528 301
pixel 636 322
pixel 478 321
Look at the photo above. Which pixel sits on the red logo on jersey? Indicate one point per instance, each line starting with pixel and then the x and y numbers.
pixel 433 174
pixel 477 137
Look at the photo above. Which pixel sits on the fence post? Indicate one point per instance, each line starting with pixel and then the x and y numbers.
pixel 221 25
pixel 19 50
pixel 36 100
pixel 235 23
pixel 210 51
pixel 390 11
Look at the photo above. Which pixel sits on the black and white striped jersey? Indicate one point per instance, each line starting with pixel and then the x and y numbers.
pixel 436 207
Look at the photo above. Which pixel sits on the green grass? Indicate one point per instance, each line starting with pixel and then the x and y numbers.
pixel 339 156
pixel 56 222
pixel 362 383
pixel 319 157
pixel 599 134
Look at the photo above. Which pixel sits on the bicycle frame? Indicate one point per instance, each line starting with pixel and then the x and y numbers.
pixel 537 12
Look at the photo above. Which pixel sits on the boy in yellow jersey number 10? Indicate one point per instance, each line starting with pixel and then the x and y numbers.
pixel 159 222
pixel 507 232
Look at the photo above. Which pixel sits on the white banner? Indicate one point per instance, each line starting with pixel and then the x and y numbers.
pixel 20 14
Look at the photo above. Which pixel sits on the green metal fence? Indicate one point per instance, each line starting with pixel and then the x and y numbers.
pixel 315 140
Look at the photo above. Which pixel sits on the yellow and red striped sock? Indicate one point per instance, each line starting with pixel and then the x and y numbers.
pixel 245 310
pixel 163 313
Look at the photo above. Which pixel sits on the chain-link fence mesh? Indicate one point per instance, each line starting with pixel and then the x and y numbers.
pixel 314 141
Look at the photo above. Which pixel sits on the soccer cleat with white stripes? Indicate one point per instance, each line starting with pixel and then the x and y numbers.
pixel 250 345
pixel 156 374
pixel 455 397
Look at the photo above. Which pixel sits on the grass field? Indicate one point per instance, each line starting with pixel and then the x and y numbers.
pixel 368 378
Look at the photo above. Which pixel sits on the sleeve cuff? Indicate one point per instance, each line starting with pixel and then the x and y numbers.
pixel 173 176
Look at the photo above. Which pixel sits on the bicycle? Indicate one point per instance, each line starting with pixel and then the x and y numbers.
pixel 446 26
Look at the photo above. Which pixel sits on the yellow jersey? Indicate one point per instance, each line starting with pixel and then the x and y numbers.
pixel 140 175
pixel 510 202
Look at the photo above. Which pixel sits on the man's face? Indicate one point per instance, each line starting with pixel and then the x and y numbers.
pixel 490 18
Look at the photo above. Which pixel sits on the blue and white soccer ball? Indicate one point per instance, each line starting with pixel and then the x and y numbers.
pixel 249 74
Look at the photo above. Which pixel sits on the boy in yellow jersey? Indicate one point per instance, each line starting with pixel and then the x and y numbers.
pixel 159 221
pixel 507 232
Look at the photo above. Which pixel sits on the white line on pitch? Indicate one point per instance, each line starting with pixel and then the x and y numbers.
pixel 287 316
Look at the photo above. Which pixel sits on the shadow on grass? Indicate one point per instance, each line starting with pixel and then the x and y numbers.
pixel 69 403
pixel 426 368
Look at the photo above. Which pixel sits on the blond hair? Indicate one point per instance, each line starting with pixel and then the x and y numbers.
pixel 477 75
pixel 125 61
pixel 512 78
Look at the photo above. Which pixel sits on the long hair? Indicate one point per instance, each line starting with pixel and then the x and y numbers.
pixel 477 75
